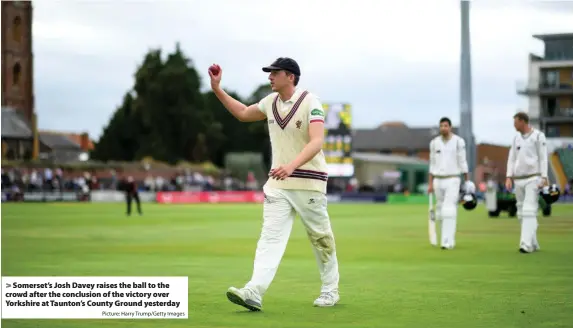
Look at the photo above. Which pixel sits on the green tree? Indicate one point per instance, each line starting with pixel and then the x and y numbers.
pixel 164 116
pixel 238 136
pixel 260 130
pixel 234 135
pixel 118 138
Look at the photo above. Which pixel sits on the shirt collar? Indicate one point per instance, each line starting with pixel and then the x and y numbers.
pixel 295 96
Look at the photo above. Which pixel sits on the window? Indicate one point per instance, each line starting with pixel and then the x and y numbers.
pixel 17 29
pixel 552 131
pixel 16 73
pixel 551 105
pixel 559 50
pixel 551 78
pixel 568 49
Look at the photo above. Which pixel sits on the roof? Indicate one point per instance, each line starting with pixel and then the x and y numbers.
pixel 394 137
pixel 74 137
pixel 54 140
pixel 534 57
pixel 388 159
pixel 14 125
pixel 77 138
pixel 555 36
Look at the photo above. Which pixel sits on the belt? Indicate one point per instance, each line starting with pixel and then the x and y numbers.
pixel 445 176
pixel 522 177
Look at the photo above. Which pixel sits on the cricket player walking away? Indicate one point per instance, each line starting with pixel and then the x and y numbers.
pixel 527 167
pixel 296 184
pixel 447 162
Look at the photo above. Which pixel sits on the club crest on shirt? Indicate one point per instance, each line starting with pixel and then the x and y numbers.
pixel 298 124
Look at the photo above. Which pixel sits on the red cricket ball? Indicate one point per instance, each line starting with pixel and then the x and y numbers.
pixel 214 69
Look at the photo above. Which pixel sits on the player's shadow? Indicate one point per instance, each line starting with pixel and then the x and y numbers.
pixel 250 312
pixel 337 306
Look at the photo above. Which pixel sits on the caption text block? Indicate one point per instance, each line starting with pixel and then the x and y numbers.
pixel 94 297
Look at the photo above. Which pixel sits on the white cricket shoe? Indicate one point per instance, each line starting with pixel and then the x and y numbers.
pixel 536 246
pixel 327 299
pixel 524 249
pixel 245 298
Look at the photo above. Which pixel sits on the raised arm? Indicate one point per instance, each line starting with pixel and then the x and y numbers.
pixel 239 110
pixel 462 158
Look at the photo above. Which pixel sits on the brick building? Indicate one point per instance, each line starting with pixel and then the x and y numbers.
pixel 18 108
pixel 396 138
pixel 17 57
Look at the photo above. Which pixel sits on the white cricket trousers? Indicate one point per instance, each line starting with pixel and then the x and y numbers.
pixel 527 202
pixel 447 191
pixel 279 210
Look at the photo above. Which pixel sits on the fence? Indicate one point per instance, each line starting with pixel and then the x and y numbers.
pixel 171 197
pixel 207 197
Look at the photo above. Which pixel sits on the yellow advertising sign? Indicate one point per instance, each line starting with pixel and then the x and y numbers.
pixel 338 139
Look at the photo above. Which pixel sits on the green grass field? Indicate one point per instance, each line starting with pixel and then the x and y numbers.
pixel 390 275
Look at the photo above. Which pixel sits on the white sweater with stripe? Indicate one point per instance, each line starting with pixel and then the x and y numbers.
pixel 288 124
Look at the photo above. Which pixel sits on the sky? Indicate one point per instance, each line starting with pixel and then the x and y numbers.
pixel 391 60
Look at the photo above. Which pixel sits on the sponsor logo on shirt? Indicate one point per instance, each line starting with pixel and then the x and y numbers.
pixel 317 112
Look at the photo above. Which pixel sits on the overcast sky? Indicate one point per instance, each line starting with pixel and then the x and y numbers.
pixel 392 60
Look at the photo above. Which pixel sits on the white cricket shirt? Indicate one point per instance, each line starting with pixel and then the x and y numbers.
pixel 448 157
pixel 288 123
pixel 528 155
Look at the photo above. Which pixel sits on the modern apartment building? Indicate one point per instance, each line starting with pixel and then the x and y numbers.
pixel 550 86
pixel 550 96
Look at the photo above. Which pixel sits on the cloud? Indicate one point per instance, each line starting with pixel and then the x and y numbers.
pixel 390 60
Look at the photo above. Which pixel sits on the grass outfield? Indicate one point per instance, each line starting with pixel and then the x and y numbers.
pixel 390 275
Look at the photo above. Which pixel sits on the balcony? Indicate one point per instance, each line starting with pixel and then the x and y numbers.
pixel 531 88
pixel 557 115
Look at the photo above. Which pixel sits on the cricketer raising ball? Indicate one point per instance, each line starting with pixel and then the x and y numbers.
pixel 214 69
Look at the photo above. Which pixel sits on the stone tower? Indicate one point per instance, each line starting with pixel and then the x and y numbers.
pixel 17 58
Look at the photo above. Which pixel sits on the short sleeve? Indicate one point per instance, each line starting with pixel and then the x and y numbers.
pixel 316 111
pixel 265 103
pixel 261 105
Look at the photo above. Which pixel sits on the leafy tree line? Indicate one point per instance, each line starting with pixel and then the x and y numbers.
pixel 167 117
